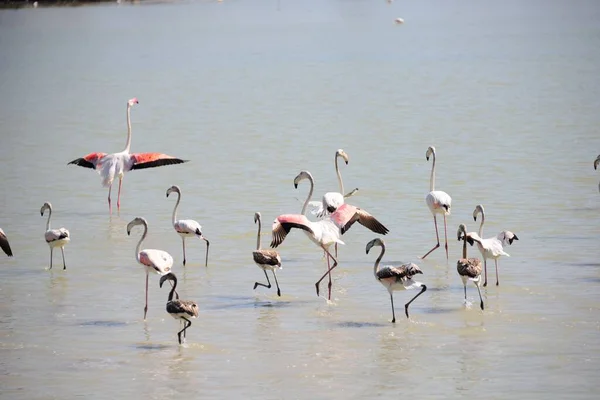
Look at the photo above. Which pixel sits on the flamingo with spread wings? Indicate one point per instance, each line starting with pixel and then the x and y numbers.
pixel 325 232
pixel 114 165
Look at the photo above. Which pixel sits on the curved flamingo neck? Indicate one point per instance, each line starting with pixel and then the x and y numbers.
pixel 128 143
pixel 48 221
pixel 339 175
pixel 310 193
pixel 481 223
pixel 258 235
pixel 139 245
pixel 174 216
pixel 432 177
pixel 376 266
pixel 172 292
pixel 465 245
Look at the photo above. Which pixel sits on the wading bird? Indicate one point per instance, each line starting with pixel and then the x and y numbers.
pixel 439 202
pixel 183 310
pixel 396 278
pixel 4 244
pixel 157 261
pixel 491 247
pixel 265 259
pixel 332 200
pixel 55 237
pixel 324 232
pixel 186 227
pixel 469 269
pixel 114 165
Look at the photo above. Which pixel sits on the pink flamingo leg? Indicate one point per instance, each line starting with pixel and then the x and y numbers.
pixel 497 281
pixel 329 284
pixel 335 263
pixel 119 195
pixel 437 237
pixel 446 236
pixel 109 205
pixel 146 307
pixel 485 272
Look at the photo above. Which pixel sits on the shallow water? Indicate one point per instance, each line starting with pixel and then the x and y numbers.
pixel 251 93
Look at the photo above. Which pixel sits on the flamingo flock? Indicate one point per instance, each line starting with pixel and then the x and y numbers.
pixel 334 218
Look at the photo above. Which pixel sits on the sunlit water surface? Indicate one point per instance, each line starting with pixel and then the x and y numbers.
pixel 252 92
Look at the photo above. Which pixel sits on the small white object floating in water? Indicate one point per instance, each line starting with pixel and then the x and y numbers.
pixel 399 20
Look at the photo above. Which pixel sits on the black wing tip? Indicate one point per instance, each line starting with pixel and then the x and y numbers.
pixel 82 162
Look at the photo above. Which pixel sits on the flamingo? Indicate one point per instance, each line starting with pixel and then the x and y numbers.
pixel 490 247
pixel 324 232
pixel 114 165
pixel 332 200
pixel 265 259
pixel 596 162
pixel 55 237
pixel 396 278
pixel 469 269
pixel 439 202
pixel 186 227
pixel 183 310
pixel 153 260
pixel 4 244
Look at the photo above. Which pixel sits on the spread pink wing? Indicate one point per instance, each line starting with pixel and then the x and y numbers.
pixel 284 223
pixel 151 160
pixel 89 161
pixel 346 215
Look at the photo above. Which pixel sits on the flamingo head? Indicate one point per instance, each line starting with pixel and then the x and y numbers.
pixel 478 209
pixel 462 232
pixel 302 175
pixel 46 206
pixel 172 189
pixel 374 242
pixel 131 102
pixel 507 237
pixel 170 276
pixel 342 153
pixel 256 217
pixel 596 162
pixel 430 151
pixel 136 221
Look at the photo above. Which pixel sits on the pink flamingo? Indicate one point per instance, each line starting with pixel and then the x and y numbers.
pixel 116 164
pixel 153 260
pixel 439 202
pixel 325 232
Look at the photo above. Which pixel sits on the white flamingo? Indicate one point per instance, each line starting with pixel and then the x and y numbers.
pixel 114 165
pixel 332 200
pixel 439 202
pixel 596 162
pixel 265 259
pixel 186 227
pixel 469 269
pixel 396 278
pixel 157 261
pixel 182 310
pixel 491 248
pixel 4 245
pixel 55 237
pixel 324 232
